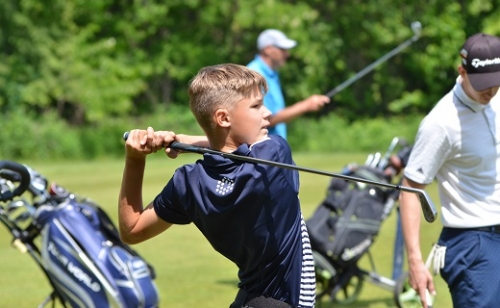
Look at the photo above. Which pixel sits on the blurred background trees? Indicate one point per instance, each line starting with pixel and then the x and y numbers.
pixel 91 62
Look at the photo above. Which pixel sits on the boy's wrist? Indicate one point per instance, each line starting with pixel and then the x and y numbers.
pixel 135 159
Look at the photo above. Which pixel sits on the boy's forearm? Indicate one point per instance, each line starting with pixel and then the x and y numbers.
pixel 201 141
pixel 130 203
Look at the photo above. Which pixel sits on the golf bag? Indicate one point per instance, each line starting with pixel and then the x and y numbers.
pixel 346 222
pixel 80 250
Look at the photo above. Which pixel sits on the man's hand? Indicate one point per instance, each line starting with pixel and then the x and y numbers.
pixel 315 102
pixel 421 281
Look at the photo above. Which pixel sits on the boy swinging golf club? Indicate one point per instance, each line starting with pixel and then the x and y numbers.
pixel 250 213
pixel 246 207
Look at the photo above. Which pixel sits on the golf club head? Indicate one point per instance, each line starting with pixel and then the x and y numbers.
pixel 428 208
pixel 394 143
pixel 416 27
pixel 369 159
pixel 385 159
pixel 23 217
pixel 376 160
pixel 14 205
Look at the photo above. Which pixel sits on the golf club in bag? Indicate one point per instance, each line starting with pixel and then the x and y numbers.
pixel 74 242
pixel 346 224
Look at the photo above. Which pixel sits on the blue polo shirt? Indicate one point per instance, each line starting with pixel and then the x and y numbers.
pixel 250 213
pixel 273 100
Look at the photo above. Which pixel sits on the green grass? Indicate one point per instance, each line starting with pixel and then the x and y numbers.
pixel 189 272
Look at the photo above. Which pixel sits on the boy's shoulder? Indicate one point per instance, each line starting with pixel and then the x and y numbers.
pixel 273 146
pixel 272 141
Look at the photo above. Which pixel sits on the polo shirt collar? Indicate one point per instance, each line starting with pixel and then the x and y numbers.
pixel 465 99
pixel 265 68
pixel 219 160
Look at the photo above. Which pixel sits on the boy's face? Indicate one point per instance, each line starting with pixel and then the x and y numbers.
pixel 249 120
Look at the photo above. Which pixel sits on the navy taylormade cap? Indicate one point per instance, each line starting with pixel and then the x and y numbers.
pixel 273 37
pixel 481 59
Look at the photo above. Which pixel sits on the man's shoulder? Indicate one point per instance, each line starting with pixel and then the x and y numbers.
pixel 444 108
pixel 256 65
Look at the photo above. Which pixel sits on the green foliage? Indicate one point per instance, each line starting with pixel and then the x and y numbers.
pixel 48 137
pixel 89 62
pixel 25 136
pixel 333 134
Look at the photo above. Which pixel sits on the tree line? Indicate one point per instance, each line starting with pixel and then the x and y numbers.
pixel 87 61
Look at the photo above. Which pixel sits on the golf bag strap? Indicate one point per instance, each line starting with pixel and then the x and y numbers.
pixel 245 300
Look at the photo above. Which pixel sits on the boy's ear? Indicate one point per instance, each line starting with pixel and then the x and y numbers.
pixel 221 117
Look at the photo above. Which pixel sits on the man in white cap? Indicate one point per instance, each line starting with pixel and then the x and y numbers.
pixel 458 144
pixel 273 46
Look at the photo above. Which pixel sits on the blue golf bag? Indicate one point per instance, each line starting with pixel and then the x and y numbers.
pixel 80 250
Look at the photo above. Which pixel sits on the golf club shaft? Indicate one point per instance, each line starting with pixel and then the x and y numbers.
pixel 416 27
pixel 426 203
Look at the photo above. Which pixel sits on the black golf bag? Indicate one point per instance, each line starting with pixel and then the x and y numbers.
pixel 74 242
pixel 345 224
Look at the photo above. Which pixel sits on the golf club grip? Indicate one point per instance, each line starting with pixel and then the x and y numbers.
pixel 176 145
pixel 179 146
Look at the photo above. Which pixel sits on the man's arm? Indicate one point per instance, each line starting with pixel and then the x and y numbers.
pixel 312 103
pixel 410 210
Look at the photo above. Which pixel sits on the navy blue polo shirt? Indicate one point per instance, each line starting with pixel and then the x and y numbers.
pixel 250 213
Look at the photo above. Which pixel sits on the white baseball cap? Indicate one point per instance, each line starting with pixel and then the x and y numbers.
pixel 273 37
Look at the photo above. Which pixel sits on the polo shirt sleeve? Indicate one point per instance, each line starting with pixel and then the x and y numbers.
pixel 430 151
pixel 168 205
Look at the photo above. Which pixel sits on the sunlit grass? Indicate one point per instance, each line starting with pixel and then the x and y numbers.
pixel 189 272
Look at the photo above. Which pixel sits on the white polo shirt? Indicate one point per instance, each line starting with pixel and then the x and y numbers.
pixel 458 144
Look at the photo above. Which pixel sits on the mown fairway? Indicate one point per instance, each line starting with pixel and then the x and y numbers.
pixel 189 272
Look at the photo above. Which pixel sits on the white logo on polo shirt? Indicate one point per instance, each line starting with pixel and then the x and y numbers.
pixel 224 186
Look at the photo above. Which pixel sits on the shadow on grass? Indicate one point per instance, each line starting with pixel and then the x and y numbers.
pixel 229 282
pixel 326 303
pixel 386 302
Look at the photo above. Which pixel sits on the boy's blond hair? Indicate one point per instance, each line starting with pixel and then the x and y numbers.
pixel 221 86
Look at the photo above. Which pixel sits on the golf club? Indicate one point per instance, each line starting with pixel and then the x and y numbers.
pixel 416 27
pixel 385 159
pixel 428 208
